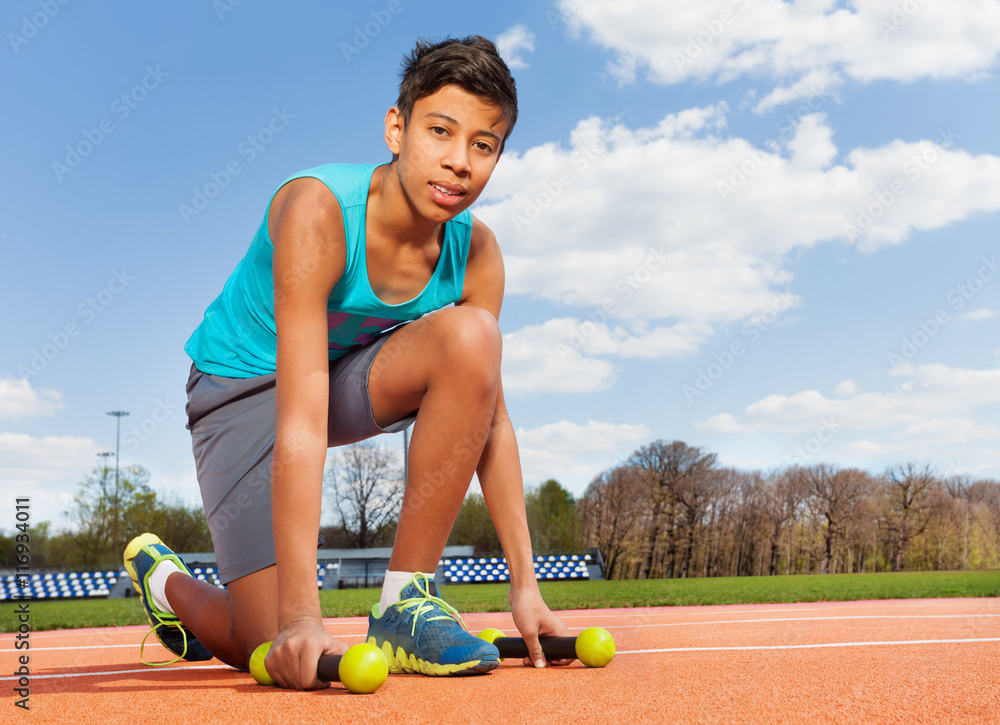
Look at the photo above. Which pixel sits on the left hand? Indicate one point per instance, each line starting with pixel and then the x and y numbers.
pixel 533 620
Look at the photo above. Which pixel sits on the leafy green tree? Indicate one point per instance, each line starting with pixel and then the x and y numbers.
pixel 552 517
pixel 104 512
pixel 108 511
pixel 474 526
pixel 39 544
pixel 181 527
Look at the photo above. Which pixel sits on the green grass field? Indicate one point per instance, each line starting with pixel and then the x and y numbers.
pixel 580 595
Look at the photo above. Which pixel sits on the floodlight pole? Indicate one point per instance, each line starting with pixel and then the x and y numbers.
pixel 104 486
pixel 104 473
pixel 406 453
pixel 118 436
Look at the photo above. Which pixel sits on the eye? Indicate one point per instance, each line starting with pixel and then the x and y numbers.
pixel 483 146
pixel 438 130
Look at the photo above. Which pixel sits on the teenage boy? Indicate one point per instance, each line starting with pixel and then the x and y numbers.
pixel 368 301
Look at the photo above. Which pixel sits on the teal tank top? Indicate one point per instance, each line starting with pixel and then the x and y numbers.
pixel 237 337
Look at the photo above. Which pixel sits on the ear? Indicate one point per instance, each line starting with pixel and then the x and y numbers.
pixel 394 126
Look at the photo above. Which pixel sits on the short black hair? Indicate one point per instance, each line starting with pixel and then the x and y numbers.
pixel 473 63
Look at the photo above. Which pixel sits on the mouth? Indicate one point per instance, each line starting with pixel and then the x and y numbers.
pixel 447 193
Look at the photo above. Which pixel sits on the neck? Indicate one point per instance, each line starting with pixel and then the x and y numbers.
pixel 392 215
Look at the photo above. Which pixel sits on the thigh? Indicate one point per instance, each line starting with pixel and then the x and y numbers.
pixel 351 418
pixel 232 436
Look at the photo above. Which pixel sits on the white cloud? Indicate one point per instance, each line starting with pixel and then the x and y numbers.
pixel 662 234
pixel 561 355
pixel 815 84
pixel 846 388
pixel 980 314
pixel 926 402
pixel 537 358
pixel 46 470
pixel 812 147
pixel 790 41
pixel 26 461
pixel 512 42
pixel 19 401
pixel 574 454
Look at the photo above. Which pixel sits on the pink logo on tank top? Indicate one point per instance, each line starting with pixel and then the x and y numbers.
pixel 347 331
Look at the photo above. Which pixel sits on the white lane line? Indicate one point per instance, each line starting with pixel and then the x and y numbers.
pixel 683 613
pixel 806 619
pixel 808 646
pixel 87 646
pixel 787 619
pixel 135 644
pixel 636 626
pixel 146 670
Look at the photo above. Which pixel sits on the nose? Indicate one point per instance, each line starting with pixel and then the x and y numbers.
pixel 457 158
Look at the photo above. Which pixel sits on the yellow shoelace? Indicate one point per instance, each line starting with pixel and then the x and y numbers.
pixel 426 603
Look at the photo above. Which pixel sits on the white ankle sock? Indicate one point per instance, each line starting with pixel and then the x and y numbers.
pixel 158 583
pixel 393 582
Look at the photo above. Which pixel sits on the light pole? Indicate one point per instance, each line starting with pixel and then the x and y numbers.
pixel 104 489
pixel 104 471
pixel 406 454
pixel 118 436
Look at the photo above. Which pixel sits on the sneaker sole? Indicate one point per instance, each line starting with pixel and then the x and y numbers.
pixel 402 662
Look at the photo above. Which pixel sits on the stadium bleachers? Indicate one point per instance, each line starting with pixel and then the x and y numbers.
pixel 87 584
pixel 59 585
pixel 471 570
pixel 344 572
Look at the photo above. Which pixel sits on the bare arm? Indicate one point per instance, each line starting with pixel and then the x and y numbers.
pixel 307 230
pixel 499 468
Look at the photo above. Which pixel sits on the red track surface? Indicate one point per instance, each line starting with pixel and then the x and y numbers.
pixel 913 661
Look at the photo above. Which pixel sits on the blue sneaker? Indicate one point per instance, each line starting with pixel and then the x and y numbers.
pixel 141 556
pixel 424 634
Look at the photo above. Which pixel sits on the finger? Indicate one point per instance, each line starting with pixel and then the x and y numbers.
pixel 535 657
pixel 272 668
pixel 308 661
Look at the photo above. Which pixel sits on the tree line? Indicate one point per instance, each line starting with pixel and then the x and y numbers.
pixel 670 511
pixel 107 512
pixel 667 511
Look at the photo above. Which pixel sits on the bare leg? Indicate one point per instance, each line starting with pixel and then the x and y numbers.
pixel 447 367
pixel 229 623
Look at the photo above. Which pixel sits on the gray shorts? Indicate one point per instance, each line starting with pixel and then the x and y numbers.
pixel 232 434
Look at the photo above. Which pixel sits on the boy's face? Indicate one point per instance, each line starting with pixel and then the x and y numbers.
pixel 447 151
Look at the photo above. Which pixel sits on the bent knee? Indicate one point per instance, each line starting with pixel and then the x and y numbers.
pixel 470 337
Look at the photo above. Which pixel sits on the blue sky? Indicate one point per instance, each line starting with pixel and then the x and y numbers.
pixel 765 228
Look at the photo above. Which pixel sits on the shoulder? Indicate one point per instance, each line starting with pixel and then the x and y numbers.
pixel 304 198
pixel 483 242
pixel 306 227
pixel 484 273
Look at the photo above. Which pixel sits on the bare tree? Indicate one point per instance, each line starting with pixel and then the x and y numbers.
pixel 612 513
pixel 963 490
pixel 989 494
pixel 835 496
pixel 908 489
pixel 365 481
pixel 667 466
pixel 783 502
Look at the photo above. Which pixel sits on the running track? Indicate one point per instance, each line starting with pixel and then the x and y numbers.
pixel 912 661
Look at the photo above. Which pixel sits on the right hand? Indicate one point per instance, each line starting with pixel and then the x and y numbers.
pixel 295 653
